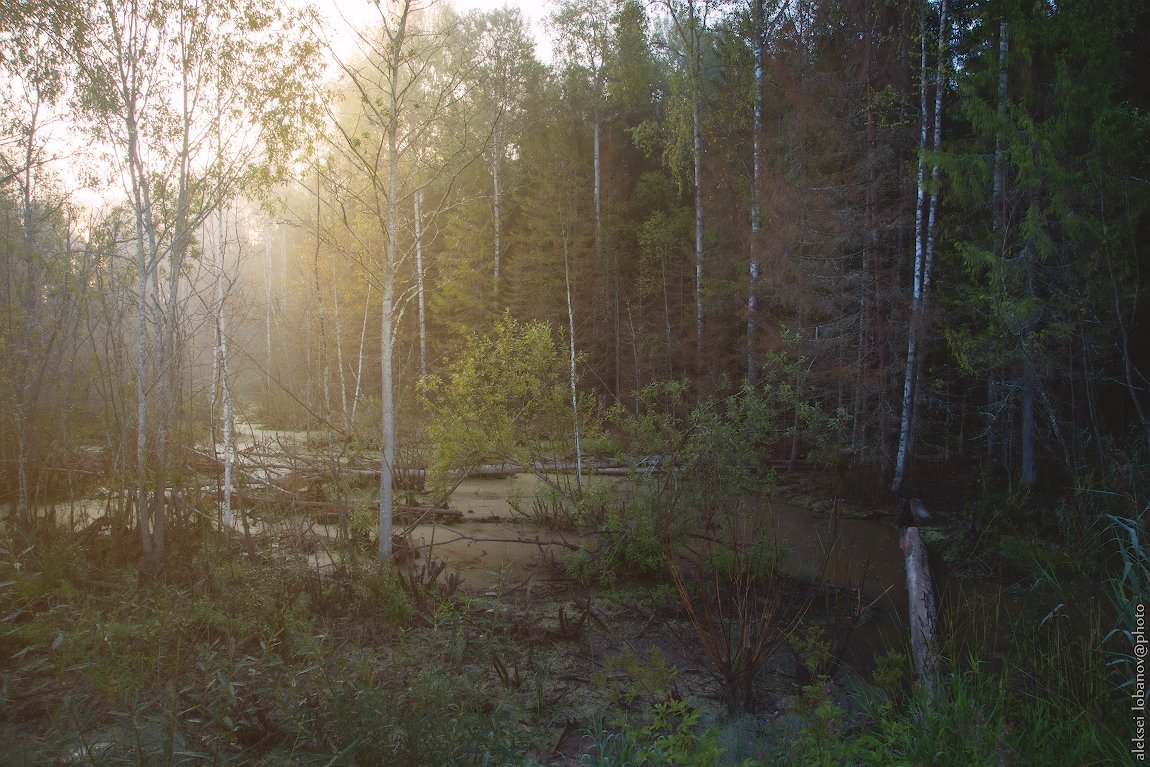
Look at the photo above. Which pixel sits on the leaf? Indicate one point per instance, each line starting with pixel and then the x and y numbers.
pixel 21 653
pixel 1057 609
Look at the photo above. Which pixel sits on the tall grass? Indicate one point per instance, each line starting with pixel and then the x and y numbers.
pixel 254 661
pixel 1128 592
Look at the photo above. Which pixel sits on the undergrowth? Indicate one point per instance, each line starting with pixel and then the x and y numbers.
pixel 253 661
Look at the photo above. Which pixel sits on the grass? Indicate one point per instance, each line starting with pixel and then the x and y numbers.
pixel 229 661
pixel 235 660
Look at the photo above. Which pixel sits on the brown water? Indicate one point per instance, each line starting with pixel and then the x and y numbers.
pixel 496 543
pixel 493 545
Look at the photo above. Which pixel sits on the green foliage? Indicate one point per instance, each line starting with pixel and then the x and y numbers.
pixel 1049 702
pixel 635 540
pixel 630 682
pixel 1129 593
pixel 502 391
pixel 591 505
pixel 711 465
pixel 890 673
pixel 813 650
pixel 756 560
pixel 1065 247
pixel 670 738
pixel 824 741
pixel 263 660
pixel 434 716
pixel 720 446
pixel 673 737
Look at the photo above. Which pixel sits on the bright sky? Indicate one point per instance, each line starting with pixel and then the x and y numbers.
pixel 364 12
pixel 357 12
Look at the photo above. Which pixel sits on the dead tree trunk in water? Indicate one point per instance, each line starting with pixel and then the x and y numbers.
pixel 923 609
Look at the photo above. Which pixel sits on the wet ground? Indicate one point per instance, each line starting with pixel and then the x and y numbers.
pixel 495 546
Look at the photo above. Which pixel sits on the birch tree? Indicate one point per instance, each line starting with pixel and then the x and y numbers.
pixel 764 15
pixel 158 79
pixel 504 66
pixel 583 32
pixel 688 30
pixel 925 215
pixel 399 91
pixel 33 236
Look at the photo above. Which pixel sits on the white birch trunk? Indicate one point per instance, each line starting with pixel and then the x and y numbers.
pixel 932 216
pixel 574 378
pixel 229 420
pixel 359 361
pixel 922 608
pixel 497 203
pixel 387 311
pixel 598 189
pixel 220 376
pixel 324 357
pixel 387 405
pixel 421 299
pixel 30 302
pixel 144 263
pixel 339 360
pixel 916 294
pixel 939 87
pixel 267 313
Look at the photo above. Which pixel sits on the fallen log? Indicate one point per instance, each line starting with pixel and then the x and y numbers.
pixel 617 471
pixel 923 609
pixel 426 511
pixel 493 471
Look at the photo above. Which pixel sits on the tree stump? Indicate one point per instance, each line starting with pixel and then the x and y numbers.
pixel 923 609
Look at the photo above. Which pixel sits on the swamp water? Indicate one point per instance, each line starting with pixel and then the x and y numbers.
pixel 493 546
pixel 496 544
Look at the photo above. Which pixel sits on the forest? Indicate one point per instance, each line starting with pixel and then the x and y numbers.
pixel 667 382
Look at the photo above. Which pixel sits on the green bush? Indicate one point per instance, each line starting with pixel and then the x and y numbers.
pixel 671 737
pixel 634 541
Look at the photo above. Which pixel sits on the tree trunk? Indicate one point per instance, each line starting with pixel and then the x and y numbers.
pixel 387 309
pixel 916 289
pixel 923 609
pixel 497 215
pixel 1029 433
pixel 574 377
pixel 344 408
pixel 220 388
pixel 924 256
pixel 998 209
pixel 359 360
pixel 756 194
pixel 321 312
pixel 268 314
pixel 419 293
pixel 697 152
